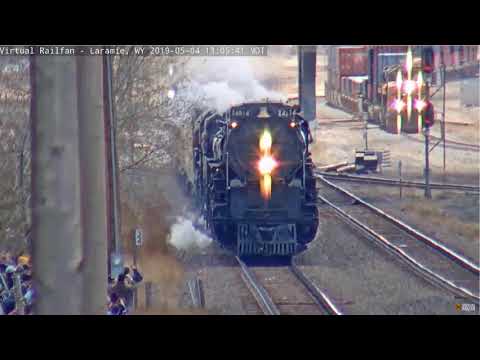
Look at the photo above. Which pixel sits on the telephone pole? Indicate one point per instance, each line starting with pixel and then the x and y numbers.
pixel 57 251
pixel 307 60
pixel 111 172
pixel 93 183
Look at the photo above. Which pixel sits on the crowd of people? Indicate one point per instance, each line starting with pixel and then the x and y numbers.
pixel 17 293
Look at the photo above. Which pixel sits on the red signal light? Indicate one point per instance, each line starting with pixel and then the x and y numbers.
pixel 428 115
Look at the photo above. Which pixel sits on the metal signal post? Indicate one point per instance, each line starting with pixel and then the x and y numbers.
pixel 428 193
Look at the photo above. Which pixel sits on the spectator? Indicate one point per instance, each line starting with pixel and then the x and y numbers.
pixel 123 290
pixel 136 276
pixel 3 282
pixel 9 273
pixel 128 277
pixel 110 285
pixel 28 296
pixel 116 305
pixel 8 303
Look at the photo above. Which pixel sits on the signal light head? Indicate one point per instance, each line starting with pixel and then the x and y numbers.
pixel 398 105
pixel 292 124
pixel 233 124
pixel 420 105
pixel 409 86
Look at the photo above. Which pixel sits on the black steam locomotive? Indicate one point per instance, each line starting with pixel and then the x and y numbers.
pixel 253 179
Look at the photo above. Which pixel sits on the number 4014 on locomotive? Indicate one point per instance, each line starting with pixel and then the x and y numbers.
pixel 253 179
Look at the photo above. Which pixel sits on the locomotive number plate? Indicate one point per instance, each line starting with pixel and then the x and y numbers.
pixel 285 113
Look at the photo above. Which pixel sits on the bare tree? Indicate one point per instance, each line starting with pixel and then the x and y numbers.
pixel 14 152
pixel 148 119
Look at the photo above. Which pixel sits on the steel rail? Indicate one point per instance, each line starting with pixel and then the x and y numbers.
pixel 459 143
pixel 449 143
pixel 395 182
pixel 261 295
pixel 320 297
pixel 459 259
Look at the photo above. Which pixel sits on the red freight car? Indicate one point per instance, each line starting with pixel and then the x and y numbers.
pixel 343 62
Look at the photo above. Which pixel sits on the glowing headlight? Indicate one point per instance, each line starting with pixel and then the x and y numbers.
pixel 266 165
pixel 398 105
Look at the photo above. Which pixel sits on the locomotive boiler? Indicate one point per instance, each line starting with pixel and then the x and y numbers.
pixel 253 178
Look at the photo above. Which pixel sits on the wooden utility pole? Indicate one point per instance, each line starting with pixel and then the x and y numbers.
pixel 307 57
pixel 57 251
pixel 111 172
pixel 93 182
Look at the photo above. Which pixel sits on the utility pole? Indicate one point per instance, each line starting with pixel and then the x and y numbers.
pixel 307 60
pixel 57 251
pixel 111 172
pixel 93 184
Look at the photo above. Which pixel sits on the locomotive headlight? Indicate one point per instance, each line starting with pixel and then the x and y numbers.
pixel 266 165
pixel 265 141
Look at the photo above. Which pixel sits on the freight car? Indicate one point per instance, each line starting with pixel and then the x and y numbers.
pixel 373 71
pixel 253 180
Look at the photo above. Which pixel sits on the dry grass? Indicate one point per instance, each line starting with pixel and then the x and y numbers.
pixel 155 261
pixel 436 217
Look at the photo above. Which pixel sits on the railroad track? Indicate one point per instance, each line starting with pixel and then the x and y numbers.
pixel 458 144
pixel 427 257
pixel 449 143
pixel 395 182
pixel 285 290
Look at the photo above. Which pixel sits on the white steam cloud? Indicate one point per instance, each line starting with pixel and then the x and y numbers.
pixel 183 236
pixel 227 81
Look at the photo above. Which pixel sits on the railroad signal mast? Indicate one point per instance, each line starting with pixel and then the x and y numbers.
pixel 411 95
pixel 412 103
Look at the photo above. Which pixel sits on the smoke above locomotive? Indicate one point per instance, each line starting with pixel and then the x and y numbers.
pixel 252 178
